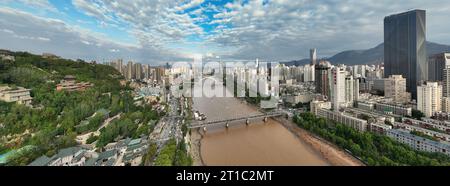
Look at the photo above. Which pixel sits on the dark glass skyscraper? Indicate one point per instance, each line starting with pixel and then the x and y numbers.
pixel 321 78
pixel 405 50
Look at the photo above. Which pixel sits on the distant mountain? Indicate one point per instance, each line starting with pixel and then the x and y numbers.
pixel 356 57
pixel 296 63
pixel 369 56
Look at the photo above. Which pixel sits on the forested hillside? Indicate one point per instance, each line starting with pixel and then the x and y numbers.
pixel 50 124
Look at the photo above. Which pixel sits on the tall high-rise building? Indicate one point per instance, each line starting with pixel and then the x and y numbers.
pixel 349 90
pixel 446 82
pixel 429 98
pixel 146 70
pixel 117 65
pixel 405 50
pixel 395 88
pixel 129 74
pixel 321 78
pixel 356 89
pixel 436 65
pixel 138 71
pixel 446 104
pixel 308 73
pixel 313 56
pixel 160 72
pixel 337 78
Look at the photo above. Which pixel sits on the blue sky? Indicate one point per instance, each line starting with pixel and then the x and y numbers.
pixel 157 31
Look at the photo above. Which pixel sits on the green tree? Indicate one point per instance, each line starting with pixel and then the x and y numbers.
pixel 417 114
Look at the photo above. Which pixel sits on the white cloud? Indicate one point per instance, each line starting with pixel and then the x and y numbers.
pixel 153 22
pixel 286 29
pixel 7 31
pixel 271 30
pixel 190 4
pixel 41 4
pixel 39 35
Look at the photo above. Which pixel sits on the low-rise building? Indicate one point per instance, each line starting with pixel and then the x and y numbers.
pixel 107 158
pixel 350 121
pixel 7 57
pixel 305 97
pixel 72 156
pixel 135 151
pixel 442 116
pixel 379 128
pixel 428 123
pixel 410 127
pixel 365 105
pixel 391 108
pixel 419 143
pixel 120 145
pixel 69 84
pixel 19 95
pixel 385 108
pixel 50 56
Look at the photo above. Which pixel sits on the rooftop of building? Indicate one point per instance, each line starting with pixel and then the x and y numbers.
pixel 442 144
pixel 135 142
pixel 41 161
pixel 91 162
pixel 8 89
pixel 107 154
pixel 405 13
pixel 71 151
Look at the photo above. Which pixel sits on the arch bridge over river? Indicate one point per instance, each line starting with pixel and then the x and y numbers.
pixel 226 122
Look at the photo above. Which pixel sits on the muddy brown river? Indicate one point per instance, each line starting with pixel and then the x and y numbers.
pixel 260 143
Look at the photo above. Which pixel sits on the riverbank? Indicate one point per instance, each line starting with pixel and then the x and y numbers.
pixel 333 154
pixel 329 152
pixel 196 139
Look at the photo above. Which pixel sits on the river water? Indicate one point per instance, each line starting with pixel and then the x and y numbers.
pixel 258 144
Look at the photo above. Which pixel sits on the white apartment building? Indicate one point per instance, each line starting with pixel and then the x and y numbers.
pixel 316 105
pixel 446 104
pixel 337 81
pixel 349 89
pixel 379 128
pixel 412 127
pixel 20 95
pixel 429 98
pixel 391 108
pixel 350 121
pixel 7 57
pixel 417 142
pixel 309 73
pixel 395 88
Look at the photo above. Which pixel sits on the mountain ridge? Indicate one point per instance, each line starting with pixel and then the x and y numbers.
pixel 369 56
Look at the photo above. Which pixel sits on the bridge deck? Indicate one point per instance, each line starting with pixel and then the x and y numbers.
pixel 224 121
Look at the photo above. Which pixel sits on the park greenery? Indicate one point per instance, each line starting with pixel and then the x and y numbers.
pixel 150 155
pixel 92 138
pixel 56 117
pixel 173 155
pixel 128 126
pixel 371 148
